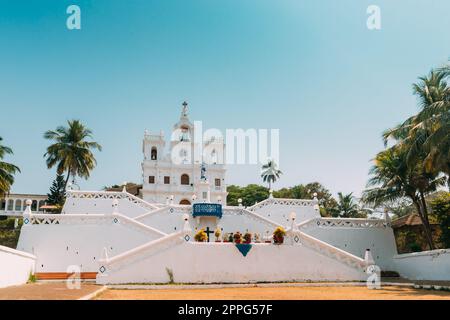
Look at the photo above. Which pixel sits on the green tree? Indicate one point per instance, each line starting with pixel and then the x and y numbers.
pixel 346 207
pixel 71 152
pixel 7 170
pixel 441 209
pixel 392 179
pixel 270 172
pixel 426 136
pixel 250 194
pixel 57 194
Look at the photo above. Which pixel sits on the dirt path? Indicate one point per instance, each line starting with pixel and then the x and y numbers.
pixel 278 293
pixel 46 291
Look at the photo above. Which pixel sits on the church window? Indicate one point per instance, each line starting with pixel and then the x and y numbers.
pixel 18 205
pixel 166 180
pixel 184 134
pixel 154 154
pixel 217 182
pixel 184 179
pixel 10 205
pixel 151 179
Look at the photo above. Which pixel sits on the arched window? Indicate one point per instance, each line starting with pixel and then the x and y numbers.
pixel 10 205
pixel 154 154
pixel 185 201
pixel 2 204
pixel 184 179
pixel 34 205
pixel 18 206
pixel 41 203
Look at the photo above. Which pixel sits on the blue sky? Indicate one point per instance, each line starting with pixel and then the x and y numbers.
pixel 310 68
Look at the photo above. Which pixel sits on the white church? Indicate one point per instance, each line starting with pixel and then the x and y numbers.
pixel 114 237
pixel 181 181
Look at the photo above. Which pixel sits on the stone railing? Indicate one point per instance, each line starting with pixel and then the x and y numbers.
pixel 168 208
pixel 73 194
pixel 331 251
pixel 132 223
pixel 343 223
pixel 140 252
pixel 284 202
pixel 83 219
pixel 252 215
pixel 56 219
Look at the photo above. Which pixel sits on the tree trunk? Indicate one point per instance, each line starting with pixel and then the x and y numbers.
pixel 67 179
pixel 425 215
pixel 425 224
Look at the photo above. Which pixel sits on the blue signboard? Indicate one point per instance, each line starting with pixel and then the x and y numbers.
pixel 207 210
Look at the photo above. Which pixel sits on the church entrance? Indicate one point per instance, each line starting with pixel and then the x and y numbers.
pixel 185 201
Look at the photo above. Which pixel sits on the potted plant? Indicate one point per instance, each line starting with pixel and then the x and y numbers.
pixel 225 237
pixel 267 238
pixel 247 237
pixel 237 237
pixel 217 234
pixel 201 236
pixel 230 237
pixel 278 235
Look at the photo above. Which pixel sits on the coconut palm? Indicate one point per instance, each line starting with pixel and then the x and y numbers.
pixel 270 172
pixel 71 152
pixel 427 134
pixel 392 179
pixel 7 170
pixel 346 207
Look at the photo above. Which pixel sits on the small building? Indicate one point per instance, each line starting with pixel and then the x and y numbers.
pixel 13 204
pixel 410 235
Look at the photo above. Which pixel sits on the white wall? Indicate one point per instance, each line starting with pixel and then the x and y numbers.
pixel 427 265
pixel 278 210
pixel 15 267
pixel 380 241
pixel 79 242
pixel 193 262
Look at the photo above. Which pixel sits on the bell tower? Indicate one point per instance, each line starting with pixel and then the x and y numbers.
pixel 153 147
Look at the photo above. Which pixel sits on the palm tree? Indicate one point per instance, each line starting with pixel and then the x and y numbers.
pixel 70 151
pixel 346 207
pixel 7 170
pixel 270 172
pixel 393 179
pixel 427 134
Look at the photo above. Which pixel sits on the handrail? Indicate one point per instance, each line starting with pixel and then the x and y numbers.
pixel 132 252
pixel 332 251
pixel 111 195
pixel 55 219
pixel 139 224
pixel 344 223
pixel 252 214
pixel 297 202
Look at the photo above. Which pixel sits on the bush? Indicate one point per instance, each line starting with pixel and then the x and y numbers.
pixel 237 237
pixel 278 235
pixel 441 208
pixel 201 236
pixel 248 237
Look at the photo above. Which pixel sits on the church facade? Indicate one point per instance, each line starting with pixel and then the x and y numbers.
pixel 174 175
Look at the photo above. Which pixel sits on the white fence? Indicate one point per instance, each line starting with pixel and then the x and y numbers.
pixel 426 265
pixel 15 267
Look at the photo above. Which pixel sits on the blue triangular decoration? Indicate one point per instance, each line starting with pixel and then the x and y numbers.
pixel 243 248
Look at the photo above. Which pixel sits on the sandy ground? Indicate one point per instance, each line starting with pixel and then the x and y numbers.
pixel 46 291
pixel 278 293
